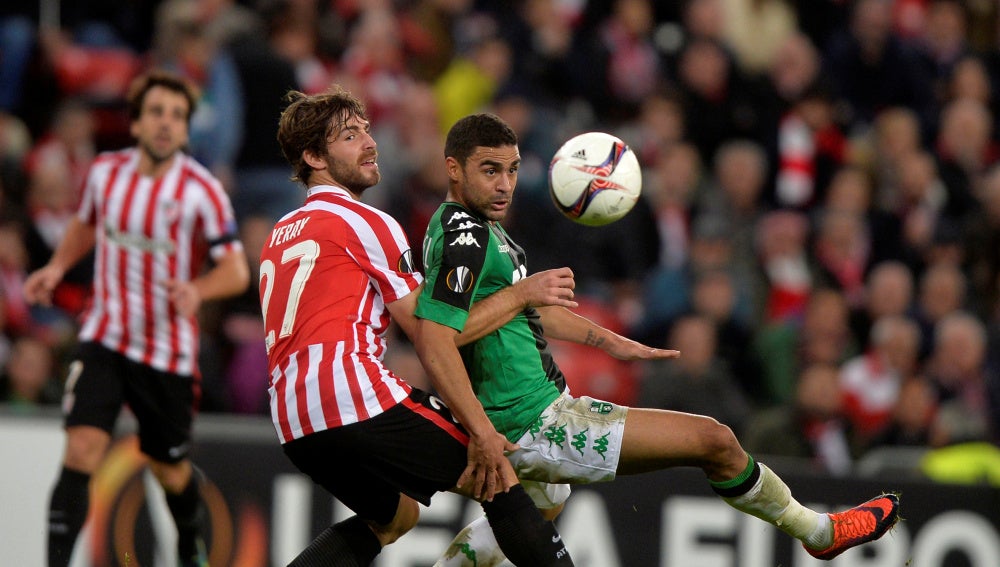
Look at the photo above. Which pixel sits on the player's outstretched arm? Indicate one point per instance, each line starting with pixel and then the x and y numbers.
pixel 75 244
pixel 548 287
pixel 561 323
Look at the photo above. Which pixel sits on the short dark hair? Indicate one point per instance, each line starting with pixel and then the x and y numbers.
pixel 308 122
pixel 160 78
pixel 474 131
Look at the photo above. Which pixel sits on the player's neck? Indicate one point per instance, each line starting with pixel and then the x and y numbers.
pixel 150 166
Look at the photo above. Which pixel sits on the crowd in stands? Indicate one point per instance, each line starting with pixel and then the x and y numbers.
pixel 819 230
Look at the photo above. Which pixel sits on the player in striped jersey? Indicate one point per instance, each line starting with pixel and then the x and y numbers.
pixel 333 274
pixel 153 213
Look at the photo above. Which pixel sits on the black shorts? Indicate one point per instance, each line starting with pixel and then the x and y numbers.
pixel 101 381
pixel 414 448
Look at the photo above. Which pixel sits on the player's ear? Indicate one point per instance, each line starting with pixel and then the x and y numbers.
pixel 314 161
pixel 452 166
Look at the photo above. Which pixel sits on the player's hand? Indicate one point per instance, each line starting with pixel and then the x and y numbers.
pixel 184 295
pixel 626 349
pixel 548 287
pixel 39 285
pixel 488 470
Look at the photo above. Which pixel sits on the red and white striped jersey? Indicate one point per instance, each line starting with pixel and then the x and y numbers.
pixel 149 231
pixel 326 275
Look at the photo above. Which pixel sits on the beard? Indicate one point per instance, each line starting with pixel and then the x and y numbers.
pixel 157 156
pixel 351 176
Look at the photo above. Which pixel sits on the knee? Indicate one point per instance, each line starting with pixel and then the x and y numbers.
pixel 407 515
pixel 85 447
pixel 173 477
pixel 719 444
pixel 551 514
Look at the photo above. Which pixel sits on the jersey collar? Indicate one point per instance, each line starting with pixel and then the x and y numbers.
pixel 328 190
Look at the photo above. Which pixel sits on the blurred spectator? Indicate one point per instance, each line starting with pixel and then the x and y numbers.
pixel 262 177
pixel 785 347
pixel 183 45
pixel 922 206
pixel 56 168
pixel 734 198
pixel 67 146
pixel 812 426
pixel 872 69
pixel 705 19
pixel 782 250
pixel 245 370
pixel 896 135
pixel 810 148
pixel 17 42
pixel 296 36
pixel 27 380
pixel 658 126
pixel 850 190
pixel 870 382
pixel 794 68
pixel 944 40
pixel 542 34
pixel 719 105
pixel 841 253
pixel 980 240
pixel 957 367
pixel 475 74
pixel 965 151
pixel 890 290
pixel 13 266
pixel 714 296
pixel 667 291
pixel 617 66
pixel 407 140
pixel 756 29
pixel 941 291
pixel 913 416
pixel 699 381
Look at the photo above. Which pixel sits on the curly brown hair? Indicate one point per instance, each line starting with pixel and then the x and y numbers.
pixel 309 121
pixel 159 78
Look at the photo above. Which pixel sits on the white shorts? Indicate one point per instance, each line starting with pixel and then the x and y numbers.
pixel 577 441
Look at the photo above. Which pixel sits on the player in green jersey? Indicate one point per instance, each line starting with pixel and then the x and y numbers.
pixel 564 439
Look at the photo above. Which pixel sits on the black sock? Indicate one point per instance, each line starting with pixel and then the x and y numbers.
pixel 188 512
pixel 350 543
pixel 524 536
pixel 67 512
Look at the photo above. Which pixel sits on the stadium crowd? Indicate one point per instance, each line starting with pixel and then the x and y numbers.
pixel 819 231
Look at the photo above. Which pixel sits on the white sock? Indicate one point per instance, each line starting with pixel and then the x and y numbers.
pixel 474 545
pixel 771 500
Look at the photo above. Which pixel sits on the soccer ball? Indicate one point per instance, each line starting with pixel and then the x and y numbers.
pixel 594 178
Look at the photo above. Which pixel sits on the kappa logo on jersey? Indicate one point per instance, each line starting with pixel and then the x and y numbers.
pixel 405 263
pixel 467 225
pixel 465 239
pixel 458 216
pixel 460 279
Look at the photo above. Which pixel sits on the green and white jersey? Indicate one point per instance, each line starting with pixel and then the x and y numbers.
pixel 466 259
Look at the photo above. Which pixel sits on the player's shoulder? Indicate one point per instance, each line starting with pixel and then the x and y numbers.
pixel 199 175
pixel 452 217
pixel 109 159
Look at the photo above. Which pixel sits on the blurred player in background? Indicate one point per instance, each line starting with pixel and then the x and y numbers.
pixel 153 213
pixel 334 274
pixel 563 439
